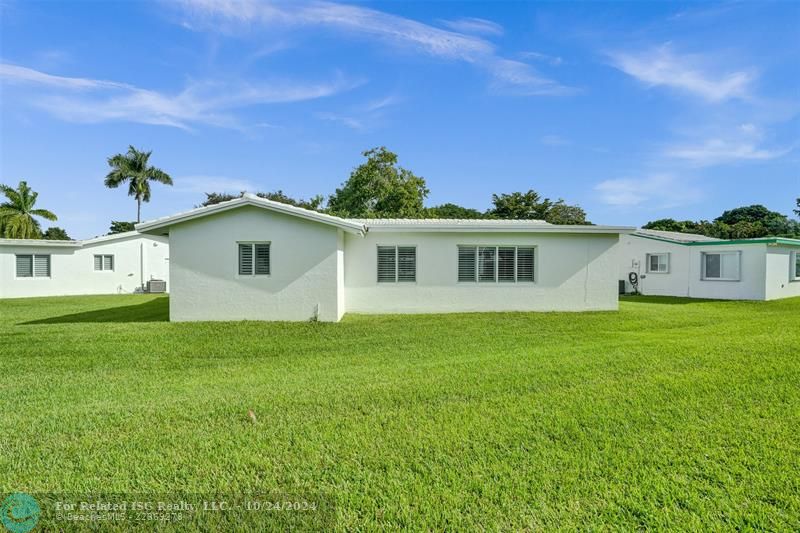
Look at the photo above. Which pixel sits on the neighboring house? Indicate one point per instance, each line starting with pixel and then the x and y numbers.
pixel 120 263
pixel 255 259
pixel 679 264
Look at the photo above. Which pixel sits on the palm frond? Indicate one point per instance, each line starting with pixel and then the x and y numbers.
pixel 156 174
pixel 44 213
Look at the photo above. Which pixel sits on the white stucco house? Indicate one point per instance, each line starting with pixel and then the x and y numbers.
pixel 112 264
pixel 255 259
pixel 679 264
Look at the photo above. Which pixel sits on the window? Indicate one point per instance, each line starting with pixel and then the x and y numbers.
pixel 103 262
pixel 721 266
pixel 397 264
pixel 796 266
pixel 254 259
pixel 33 266
pixel 658 263
pixel 501 264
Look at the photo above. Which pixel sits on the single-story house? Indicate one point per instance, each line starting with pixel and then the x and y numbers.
pixel 120 263
pixel 680 264
pixel 255 259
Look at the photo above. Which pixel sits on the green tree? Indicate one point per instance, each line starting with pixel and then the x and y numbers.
pixel 213 198
pixel 17 213
pixel 133 167
pixel 119 226
pixel 451 211
pixel 519 206
pixel 670 224
pixel 313 204
pixel 561 213
pixel 380 188
pixel 55 233
pixel 797 211
pixel 531 206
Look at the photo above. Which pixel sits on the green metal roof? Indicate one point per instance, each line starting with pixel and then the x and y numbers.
pixel 775 241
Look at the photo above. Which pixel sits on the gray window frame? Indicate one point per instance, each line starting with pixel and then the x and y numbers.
pixel 253 259
pixel 496 260
pixel 396 278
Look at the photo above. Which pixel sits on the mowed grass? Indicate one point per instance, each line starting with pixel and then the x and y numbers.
pixel 670 413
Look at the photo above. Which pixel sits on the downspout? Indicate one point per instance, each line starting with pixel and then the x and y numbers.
pixel 141 265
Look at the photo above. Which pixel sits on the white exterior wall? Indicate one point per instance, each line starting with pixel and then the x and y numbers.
pixel 632 258
pixel 137 258
pixel 573 273
pixel 685 274
pixel 780 274
pixel 206 285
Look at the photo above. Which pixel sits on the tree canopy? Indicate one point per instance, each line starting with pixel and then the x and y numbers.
pixel 133 167
pixel 747 222
pixel 119 226
pixel 17 213
pixel 531 206
pixel 55 233
pixel 378 188
pixel 452 211
pixel 314 204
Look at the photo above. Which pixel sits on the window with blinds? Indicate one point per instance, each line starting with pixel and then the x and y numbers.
pixel 397 264
pixel 103 262
pixel 33 266
pixel 254 259
pixel 796 264
pixel 24 266
pixel 496 264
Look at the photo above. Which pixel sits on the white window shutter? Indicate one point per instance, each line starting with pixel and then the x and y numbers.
pixel 262 259
pixel 24 266
pixel 245 259
pixel 387 264
pixel 486 263
pixel 41 266
pixel 466 263
pixel 526 264
pixel 406 263
pixel 506 263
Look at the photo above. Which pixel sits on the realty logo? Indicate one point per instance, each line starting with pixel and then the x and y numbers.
pixel 20 512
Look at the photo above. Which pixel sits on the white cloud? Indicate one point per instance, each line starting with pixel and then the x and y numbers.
pixel 658 191
pixel 395 30
pixel 351 122
pixel 554 140
pixel 661 66
pixel 474 25
pixel 361 117
pixel 88 100
pixel 552 60
pixel 20 75
pixel 720 151
pixel 744 143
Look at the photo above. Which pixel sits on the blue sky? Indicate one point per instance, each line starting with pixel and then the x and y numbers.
pixel 635 111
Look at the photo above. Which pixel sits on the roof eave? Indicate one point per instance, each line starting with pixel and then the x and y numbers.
pixel 40 243
pixel 538 228
pixel 154 226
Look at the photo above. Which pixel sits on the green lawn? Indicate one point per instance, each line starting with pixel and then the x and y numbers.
pixel 669 414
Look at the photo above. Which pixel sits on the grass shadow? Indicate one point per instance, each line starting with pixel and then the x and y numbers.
pixel 156 310
pixel 666 300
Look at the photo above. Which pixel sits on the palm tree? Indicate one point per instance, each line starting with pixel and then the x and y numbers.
pixel 16 214
pixel 133 168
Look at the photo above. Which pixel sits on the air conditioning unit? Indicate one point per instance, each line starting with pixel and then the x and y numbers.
pixel 156 285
